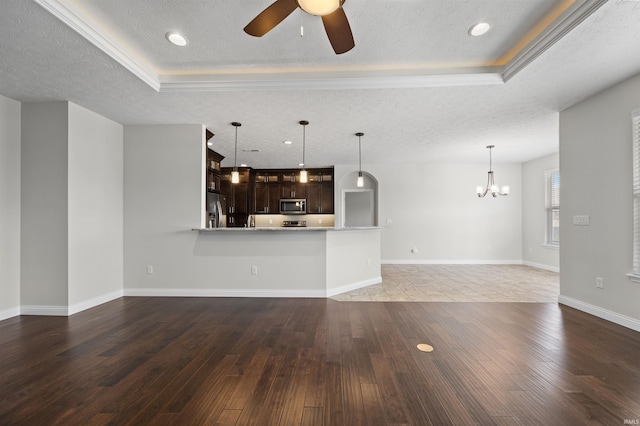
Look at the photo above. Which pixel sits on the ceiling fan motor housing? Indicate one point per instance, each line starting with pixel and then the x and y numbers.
pixel 320 7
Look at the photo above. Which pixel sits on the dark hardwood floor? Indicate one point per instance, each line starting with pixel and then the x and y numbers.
pixel 202 361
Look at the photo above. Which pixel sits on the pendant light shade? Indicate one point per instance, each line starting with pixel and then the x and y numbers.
pixel 360 180
pixel 303 172
pixel 235 175
pixel 491 187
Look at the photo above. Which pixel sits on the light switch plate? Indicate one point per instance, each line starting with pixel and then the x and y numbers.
pixel 581 220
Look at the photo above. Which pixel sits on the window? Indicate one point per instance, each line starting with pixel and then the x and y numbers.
pixel 552 207
pixel 635 275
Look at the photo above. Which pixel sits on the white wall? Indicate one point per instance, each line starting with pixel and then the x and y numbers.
pixel 44 230
pixel 434 208
pixel 534 251
pixel 9 208
pixel 596 167
pixel 163 192
pixel 95 208
pixel 353 260
pixel 71 212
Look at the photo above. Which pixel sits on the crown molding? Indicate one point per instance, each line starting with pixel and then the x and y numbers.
pixel 554 33
pixel 334 83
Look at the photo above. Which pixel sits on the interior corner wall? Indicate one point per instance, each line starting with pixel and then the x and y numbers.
pixel 9 208
pixel 95 207
pixel 434 209
pixel 596 166
pixel 44 226
pixel 534 251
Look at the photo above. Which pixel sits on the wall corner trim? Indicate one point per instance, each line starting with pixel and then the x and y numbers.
pixel 9 313
pixel 55 311
pixel 541 266
pixel 355 286
pixel 599 312
pixel 91 303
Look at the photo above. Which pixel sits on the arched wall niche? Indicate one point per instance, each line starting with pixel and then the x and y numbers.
pixel 358 205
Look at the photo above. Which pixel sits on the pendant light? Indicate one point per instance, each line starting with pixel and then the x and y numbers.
pixel 360 180
pixel 491 187
pixel 303 172
pixel 235 175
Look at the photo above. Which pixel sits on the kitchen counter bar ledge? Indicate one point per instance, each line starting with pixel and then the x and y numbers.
pixel 285 228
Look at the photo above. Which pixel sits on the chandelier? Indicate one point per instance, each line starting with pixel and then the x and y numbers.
pixel 491 187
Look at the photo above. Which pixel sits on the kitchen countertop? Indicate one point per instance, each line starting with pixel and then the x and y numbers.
pixel 286 229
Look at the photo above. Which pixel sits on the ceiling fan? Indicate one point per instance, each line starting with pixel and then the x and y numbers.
pixel 334 19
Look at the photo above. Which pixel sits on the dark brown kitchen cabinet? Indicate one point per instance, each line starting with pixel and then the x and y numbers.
pixel 266 192
pixel 213 170
pixel 320 192
pixel 237 196
pixel 266 197
pixel 291 187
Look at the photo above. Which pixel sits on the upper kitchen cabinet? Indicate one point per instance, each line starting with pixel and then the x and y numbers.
pixel 319 191
pixel 213 170
pixel 266 191
pixel 291 187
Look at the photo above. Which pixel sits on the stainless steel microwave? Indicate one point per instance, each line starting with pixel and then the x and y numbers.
pixel 293 206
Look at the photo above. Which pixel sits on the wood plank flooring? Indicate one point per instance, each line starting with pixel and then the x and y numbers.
pixel 206 361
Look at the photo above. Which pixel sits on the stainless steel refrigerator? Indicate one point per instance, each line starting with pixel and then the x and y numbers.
pixel 217 210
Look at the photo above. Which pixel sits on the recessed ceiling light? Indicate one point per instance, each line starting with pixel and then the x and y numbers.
pixel 301 164
pixel 176 39
pixel 287 142
pixel 243 165
pixel 479 29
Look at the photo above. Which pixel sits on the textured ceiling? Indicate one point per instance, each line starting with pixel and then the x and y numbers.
pixel 43 59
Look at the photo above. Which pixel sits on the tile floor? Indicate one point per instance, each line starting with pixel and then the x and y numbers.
pixel 460 283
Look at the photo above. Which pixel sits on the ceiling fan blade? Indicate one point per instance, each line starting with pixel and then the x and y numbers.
pixel 270 17
pixel 338 30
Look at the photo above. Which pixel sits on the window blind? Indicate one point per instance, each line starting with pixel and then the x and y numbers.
pixel 636 194
pixel 552 206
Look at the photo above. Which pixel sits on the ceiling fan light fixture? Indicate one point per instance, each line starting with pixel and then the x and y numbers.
pixel 319 7
pixel 481 28
pixel 176 39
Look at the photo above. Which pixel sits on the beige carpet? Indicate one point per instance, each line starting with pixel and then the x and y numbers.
pixel 460 283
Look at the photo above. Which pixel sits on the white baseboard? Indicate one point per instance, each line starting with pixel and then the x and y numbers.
pixel 186 292
pixel 9 313
pixel 354 286
pixel 541 266
pixel 56 311
pixel 65 311
pixel 91 303
pixel 450 262
pixel 599 312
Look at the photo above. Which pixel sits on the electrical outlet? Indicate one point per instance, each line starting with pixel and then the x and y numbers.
pixel 389 221
pixel 414 250
pixel 149 269
pixel 368 262
pixel 254 270
pixel 599 282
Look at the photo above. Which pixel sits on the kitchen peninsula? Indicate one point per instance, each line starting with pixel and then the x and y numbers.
pixel 293 262
pixel 278 234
